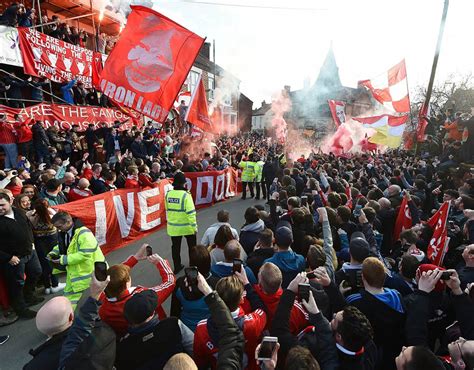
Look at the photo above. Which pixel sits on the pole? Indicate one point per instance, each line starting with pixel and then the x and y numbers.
pixel 437 52
pixel 36 87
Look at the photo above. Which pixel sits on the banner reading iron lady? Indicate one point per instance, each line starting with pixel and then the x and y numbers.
pixel 149 63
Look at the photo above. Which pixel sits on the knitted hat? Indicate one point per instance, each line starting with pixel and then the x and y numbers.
pixel 358 247
pixel 140 307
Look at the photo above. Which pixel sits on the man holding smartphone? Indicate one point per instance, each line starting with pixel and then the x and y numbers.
pixel 76 252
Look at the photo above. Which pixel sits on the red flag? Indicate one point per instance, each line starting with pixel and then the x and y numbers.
pixel 197 112
pixel 97 68
pixel 439 241
pixel 422 122
pixel 149 63
pixel 338 111
pixel 404 220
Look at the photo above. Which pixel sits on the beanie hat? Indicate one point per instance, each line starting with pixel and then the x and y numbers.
pixel 140 307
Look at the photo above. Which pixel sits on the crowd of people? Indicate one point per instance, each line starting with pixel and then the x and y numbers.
pixel 316 264
pixel 18 15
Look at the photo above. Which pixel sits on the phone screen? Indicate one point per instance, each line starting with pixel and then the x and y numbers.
pixel 100 271
pixel 149 250
pixel 303 292
pixel 191 275
pixel 304 201
pixel 266 348
pixel 237 265
pixel 357 209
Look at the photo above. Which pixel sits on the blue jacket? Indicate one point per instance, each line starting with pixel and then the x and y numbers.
pixel 192 311
pixel 289 263
pixel 224 269
pixel 67 92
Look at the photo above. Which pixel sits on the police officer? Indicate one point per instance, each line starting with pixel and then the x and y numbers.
pixel 248 176
pixel 76 252
pixel 181 218
pixel 259 180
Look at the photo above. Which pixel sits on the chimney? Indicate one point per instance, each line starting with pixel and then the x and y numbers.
pixel 206 50
pixel 287 88
pixel 263 103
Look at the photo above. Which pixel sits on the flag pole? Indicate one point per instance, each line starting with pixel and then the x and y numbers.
pixel 436 55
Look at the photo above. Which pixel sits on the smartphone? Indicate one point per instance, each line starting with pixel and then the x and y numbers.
pixel 100 271
pixel 451 225
pixel 52 257
pixel 311 275
pixel 304 201
pixel 149 250
pixel 446 275
pixel 357 209
pixel 237 265
pixel 191 275
pixel 267 347
pixel 303 292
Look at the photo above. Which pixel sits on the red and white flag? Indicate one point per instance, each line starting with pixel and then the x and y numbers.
pixel 383 120
pixel 149 63
pixel 197 113
pixel 338 111
pixel 391 88
pixel 404 220
pixel 439 241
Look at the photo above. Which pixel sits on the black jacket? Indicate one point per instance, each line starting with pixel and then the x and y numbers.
pixel 150 346
pixel 387 219
pixel 319 341
pixel 46 356
pixel 256 259
pixel 98 186
pixel 388 325
pixel 231 338
pixel 16 236
pixel 139 149
pixel 40 139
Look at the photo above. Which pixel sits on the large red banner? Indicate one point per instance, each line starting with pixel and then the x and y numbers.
pixel 149 63
pixel 126 215
pixel 59 61
pixel 66 116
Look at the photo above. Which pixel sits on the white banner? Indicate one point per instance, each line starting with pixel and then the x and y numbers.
pixel 9 48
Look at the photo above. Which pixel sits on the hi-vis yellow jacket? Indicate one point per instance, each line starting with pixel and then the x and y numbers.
pixel 180 213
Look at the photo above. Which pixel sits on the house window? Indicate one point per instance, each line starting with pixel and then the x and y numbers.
pixel 210 81
pixel 193 79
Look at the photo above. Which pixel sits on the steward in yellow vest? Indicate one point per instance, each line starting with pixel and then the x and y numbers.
pixel 76 252
pixel 180 218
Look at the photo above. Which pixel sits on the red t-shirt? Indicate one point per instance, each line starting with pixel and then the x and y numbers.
pixel 23 131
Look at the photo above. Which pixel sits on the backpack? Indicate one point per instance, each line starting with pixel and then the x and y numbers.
pixel 96 352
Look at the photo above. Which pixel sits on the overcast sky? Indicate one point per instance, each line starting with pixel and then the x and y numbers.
pixel 269 48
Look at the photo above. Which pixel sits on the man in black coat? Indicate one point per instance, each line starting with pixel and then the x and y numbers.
pixel 138 147
pixel 269 173
pixel 17 258
pixel 41 143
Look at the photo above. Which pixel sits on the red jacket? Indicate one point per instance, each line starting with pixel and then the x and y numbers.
pixel 111 310
pixel 205 350
pixel 23 131
pixel 299 318
pixel 77 194
pixel 131 183
pixel 145 180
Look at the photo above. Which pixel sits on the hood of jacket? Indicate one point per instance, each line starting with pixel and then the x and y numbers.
pixel 392 299
pixel 256 227
pixel 288 261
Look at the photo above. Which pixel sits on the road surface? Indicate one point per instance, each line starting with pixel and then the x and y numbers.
pixel 24 335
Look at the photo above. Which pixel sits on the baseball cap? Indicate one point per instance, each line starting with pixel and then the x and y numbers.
pixel 283 234
pixel 140 307
pixel 358 247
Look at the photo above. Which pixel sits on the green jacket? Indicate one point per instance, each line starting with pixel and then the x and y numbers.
pixel 180 213
pixel 81 254
pixel 259 171
pixel 248 171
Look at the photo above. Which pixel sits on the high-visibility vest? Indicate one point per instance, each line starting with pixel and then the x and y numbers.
pixel 259 171
pixel 248 171
pixel 82 252
pixel 180 213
